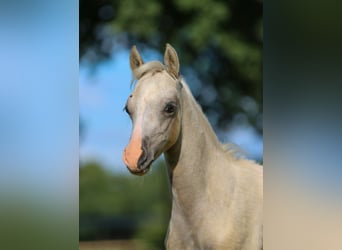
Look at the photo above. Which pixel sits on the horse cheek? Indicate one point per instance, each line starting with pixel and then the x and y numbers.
pixel 173 134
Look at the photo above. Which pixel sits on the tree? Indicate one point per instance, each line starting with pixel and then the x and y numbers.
pixel 219 44
pixel 113 206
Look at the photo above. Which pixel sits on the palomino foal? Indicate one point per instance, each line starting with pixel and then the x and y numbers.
pixel 217 199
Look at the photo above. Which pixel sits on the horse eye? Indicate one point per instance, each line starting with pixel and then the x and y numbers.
pixel 170 108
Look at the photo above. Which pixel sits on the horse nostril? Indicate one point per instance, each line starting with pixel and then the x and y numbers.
pixel 142 159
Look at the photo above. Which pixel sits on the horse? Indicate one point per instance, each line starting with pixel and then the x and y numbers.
pixel 217 197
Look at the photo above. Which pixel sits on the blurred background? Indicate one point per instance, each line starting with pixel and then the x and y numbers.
pixel 219 44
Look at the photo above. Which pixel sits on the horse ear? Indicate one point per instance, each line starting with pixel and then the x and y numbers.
pixel 171 60
pixel 135 59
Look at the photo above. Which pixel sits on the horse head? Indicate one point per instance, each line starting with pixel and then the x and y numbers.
pixel 155 109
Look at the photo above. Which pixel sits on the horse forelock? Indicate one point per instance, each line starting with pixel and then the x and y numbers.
pixel 149 67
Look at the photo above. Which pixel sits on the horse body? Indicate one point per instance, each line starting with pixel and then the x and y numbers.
pixel 216 198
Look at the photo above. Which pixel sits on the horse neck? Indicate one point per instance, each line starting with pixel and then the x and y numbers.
pixel 189 159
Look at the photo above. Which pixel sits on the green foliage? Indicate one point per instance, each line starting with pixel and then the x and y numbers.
pixel 219 44
pixel 205 20
pixel 123 206
pixel 144 22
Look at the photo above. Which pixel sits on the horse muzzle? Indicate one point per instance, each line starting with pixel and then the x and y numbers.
pixel 142 165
